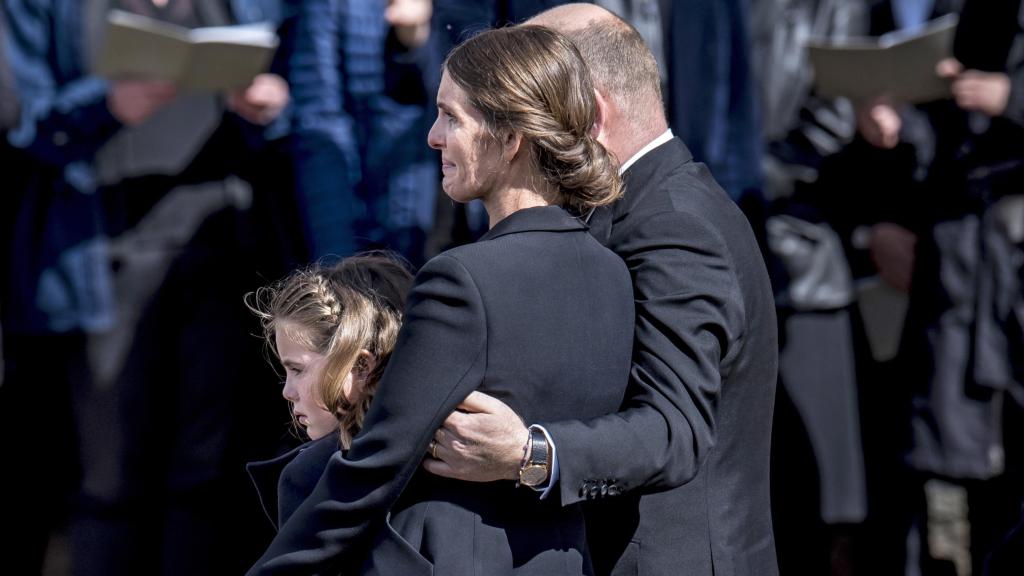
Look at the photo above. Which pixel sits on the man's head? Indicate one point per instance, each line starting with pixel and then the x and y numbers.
pixel 625 74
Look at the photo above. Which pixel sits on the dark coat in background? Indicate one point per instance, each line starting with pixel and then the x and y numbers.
pixel 712 98
pixel 365 177
pixel 539 315
pixel 125 281
pixel 694 432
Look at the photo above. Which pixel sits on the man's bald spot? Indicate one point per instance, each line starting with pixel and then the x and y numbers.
pixel 571 17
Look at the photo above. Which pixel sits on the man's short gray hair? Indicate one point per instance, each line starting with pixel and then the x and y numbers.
pixel 621 65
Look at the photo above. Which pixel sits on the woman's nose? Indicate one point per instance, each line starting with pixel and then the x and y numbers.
pixel 435 138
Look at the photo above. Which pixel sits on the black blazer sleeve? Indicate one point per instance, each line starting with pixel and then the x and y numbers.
pixel 689 318
pixel 439 359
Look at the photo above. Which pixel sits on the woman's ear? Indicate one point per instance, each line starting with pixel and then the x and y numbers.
pixel 510 145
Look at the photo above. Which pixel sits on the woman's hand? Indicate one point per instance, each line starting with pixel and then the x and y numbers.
pixel 482 441
pixel 262 101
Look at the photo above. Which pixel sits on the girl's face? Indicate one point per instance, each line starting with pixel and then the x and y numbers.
pixel 303 370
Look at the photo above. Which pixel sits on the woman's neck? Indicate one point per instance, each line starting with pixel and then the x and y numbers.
pixel 500 206
pixel 529 192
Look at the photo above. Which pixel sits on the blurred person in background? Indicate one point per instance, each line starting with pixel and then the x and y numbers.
pixel 363 178
pixel 953 238
pixel 145 214
pixel 818 469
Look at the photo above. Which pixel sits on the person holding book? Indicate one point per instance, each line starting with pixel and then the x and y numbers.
pixel 957 252
pixel 137 194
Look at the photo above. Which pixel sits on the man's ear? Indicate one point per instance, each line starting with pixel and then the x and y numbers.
pixel 600 129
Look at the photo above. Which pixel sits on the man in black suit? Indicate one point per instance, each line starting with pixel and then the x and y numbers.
pixel 678 479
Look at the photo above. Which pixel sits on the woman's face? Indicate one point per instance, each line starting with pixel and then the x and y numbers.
pixel 471 160
pixel 303 369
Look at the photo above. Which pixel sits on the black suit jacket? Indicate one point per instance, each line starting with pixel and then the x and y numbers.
pixel 526 314
pixel 694 433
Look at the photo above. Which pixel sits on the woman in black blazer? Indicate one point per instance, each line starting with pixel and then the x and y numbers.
pixel 536 313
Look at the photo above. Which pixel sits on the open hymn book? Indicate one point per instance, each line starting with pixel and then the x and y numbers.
pixel 899 65
pixel 214 58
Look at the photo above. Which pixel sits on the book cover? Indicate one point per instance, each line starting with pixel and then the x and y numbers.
pixel 899 66
pixel 212 59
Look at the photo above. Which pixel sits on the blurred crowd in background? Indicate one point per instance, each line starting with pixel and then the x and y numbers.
pixel 136 216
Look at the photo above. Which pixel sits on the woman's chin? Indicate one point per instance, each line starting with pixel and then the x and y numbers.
pixel 456 194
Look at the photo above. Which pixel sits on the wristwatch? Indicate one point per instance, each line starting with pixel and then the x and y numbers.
pixel 535 468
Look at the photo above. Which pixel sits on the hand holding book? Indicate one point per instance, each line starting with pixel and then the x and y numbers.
pixel 985 92
pixel 899 67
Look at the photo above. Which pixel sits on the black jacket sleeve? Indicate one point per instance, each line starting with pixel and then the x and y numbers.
pixel 689 314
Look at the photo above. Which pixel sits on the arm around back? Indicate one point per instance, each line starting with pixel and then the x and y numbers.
pixel 689 324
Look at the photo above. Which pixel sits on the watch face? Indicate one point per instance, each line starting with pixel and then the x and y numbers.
pixel 532 475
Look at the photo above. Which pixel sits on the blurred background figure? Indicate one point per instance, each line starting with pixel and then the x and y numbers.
pixel 943 204
pixel 131 392
pixel 819 494
pixel 703 50
pixel 364 177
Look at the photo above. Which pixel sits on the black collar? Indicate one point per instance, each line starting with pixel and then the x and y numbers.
pixel 538 219
pixel 654 163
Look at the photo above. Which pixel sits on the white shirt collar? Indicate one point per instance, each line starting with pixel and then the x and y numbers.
pixel 665 137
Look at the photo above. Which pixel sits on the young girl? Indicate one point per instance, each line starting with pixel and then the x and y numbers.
pixel 333 329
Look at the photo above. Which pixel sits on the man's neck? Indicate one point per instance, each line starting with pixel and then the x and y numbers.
pixel 650 144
